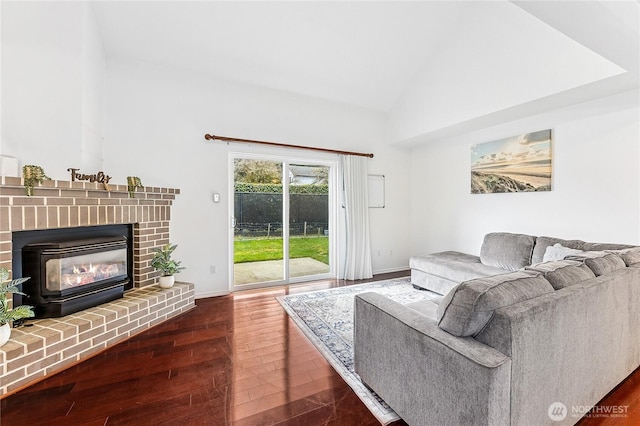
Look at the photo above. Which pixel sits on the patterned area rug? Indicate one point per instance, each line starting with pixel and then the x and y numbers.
pixel 326 318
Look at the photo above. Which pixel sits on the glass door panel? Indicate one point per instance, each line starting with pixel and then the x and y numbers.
pixel 308 220
pixel 258 245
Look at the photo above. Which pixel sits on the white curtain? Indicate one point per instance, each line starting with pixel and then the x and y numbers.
pixel 356 206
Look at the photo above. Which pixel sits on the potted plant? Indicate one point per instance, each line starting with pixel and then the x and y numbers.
pixel 163 262
pixel 133 182
pixel 32 174
pixel 7 315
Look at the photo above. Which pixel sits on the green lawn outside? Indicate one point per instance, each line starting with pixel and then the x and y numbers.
pixel 258 249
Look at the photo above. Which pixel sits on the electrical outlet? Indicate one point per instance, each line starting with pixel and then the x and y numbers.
pixel 212 269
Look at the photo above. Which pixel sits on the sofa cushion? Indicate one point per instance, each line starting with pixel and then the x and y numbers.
pixel 507 251
pixel 630 256
pixel 558 252
pixel 467 308
pixel 543 242
pixel 600 262
pixel 563 273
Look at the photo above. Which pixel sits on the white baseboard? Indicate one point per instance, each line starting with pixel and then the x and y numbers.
pixel 387 270
pixel 211 294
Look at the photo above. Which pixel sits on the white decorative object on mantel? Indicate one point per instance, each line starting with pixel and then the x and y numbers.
pixel 9 166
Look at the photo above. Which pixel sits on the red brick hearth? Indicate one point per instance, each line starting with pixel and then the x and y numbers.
pixel 50 345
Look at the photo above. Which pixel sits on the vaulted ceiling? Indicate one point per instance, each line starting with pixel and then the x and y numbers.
pixel 392 55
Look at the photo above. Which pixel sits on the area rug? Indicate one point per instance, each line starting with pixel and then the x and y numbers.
pixel 326 318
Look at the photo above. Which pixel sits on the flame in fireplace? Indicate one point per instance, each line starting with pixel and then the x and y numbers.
pixel 83 274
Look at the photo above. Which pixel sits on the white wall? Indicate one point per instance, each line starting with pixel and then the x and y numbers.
pixel 53 67
pixel 93 93
pixel 156 120
pixel 596 182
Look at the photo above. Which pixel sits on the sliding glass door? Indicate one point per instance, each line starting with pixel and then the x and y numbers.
pixel 281 220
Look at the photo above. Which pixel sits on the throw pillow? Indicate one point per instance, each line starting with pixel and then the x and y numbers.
pixel 468 307
pixel 563 273
pixel 558 252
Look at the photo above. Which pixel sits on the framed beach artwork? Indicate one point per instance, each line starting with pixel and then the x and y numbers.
pixel 516 164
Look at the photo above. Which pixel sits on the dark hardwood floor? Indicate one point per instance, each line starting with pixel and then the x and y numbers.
pixel 235 360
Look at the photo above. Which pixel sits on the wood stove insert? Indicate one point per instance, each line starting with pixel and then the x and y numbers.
pixel 71 274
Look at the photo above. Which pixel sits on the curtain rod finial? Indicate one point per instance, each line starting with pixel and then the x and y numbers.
pixel 209 137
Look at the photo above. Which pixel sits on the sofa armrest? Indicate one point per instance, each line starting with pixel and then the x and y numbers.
pixel 423 372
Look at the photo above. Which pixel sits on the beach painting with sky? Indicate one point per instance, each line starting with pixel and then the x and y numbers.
pixel 517 164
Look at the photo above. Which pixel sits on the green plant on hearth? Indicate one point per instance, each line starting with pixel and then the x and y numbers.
pixel 133 182
pixel 8 287
pixel 163 262
pixel 32 174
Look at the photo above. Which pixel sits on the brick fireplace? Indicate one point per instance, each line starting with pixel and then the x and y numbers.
pixel 50 345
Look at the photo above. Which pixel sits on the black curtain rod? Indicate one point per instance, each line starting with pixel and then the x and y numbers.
pixel 286 145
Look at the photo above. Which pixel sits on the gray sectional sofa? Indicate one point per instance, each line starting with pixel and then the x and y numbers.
pixel 515 339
